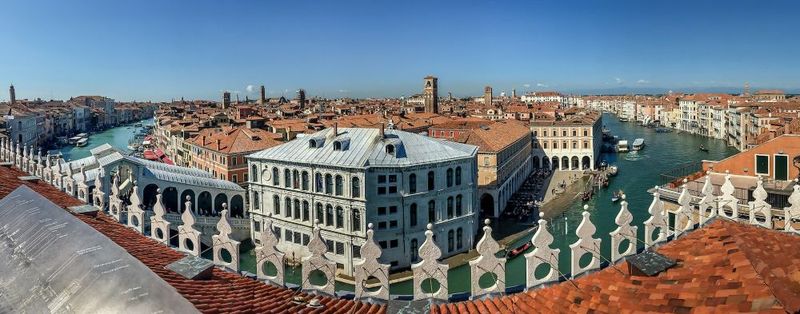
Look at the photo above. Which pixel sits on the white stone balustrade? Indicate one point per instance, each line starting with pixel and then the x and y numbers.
pixel 188 236
pixel 792 212
pixel 487 263
pixel 69 182
pixel 658 221
pixel 429 270
pixel 317 261
pixel 83 188
pixel 684 216
pixel 370 267
pixel 135 211
pixel 585 244
pixel 267 252
pixel 728 202
pixel 760 210
pixel 115 205
pixel 623 232
pixel 541 254
pixel 707 208
pixel 159 227
pixel 99 196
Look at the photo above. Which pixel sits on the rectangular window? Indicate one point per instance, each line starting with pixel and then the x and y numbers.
pixel 339 248
pixel 381 179
pixel 762 164
pixel 381 225
pixel 781 167
pixel 392 209
pixel 306 238
pixel 392 178
pixel 393 244
pixel 288 235
pixel 392 189
pixel 329 244
pixel 393 224
pixel 296 237
pixel 356 251
pixel 278 232
pixel 381 210
pixel 382 244
pixel 256 226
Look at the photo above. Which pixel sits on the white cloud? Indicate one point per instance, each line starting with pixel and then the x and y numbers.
pixel 541 85
pixel 250 89
pixel 618 80
pixel 343 91
pixel 642 81
pixel 526 85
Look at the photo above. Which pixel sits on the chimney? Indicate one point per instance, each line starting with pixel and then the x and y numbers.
pixel 218 144
pixel 336 129
pixel 383 135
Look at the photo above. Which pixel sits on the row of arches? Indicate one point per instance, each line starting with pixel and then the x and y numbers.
pixel 563 163
pixel 202 204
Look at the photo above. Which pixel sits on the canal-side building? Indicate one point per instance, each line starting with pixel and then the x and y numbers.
pixel 346 178
pixel 222 151
pixel 504 157
pixel 570 143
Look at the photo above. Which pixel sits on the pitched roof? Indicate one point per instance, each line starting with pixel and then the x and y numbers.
pixel 495 137
pixel 723 267
pixel 235 140
pixel 224 292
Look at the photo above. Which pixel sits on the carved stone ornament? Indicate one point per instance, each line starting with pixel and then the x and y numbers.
pixel 188 236
pixel 792 213
pixel 684 217
pixel 223 241
pixel 541 254
pixel 760 210
pixel 487 263
pixel 623 232
pixel 317 261
pixel 657 222
pixel 267 252
pixel 728 204
pixel 430 268
pixel 708 204
pixel 159 227
pixel 585 244
pixel 369 266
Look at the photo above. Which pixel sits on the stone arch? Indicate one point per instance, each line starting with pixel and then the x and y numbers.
pixel 575 163
pixel 586 162
pixel 555 163
pixel 487 205
pixel 149 196
pixel 220 199
pixel 204 203
pixel 170 199
pixel 191 196
pixel 535 162
pixel 564 163
pixel 237 206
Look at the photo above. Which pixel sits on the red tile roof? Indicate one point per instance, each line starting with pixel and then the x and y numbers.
pixel 225 292
pixel 722 267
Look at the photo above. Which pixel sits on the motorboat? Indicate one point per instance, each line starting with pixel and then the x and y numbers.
pixel 622 146
pixel 612 170
pixel 638 144
pixel 616 196
pixel 82 142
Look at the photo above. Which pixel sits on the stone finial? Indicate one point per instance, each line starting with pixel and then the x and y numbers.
pixel 188 236
pixel 759 208
pixel 728 204
pixel 98 180
pixel 658 221
pixel 159 227
pixel 623 232
pixel 267 252
pixel 707 206
pixel 83 189
pixel 684 217
pixel 369 266
pixel 430 268
pixel 541 254
pixel 135 211
pixel 223 241
pixel 792 212
pixel 115 185
pixel 487 262
pixel 318 261
pixel 585 244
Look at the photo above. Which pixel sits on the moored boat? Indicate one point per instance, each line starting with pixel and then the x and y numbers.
pixel 612 170
pixel 622 146
pixel 82 142
pixel 638 144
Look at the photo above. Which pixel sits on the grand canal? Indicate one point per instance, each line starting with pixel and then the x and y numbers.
pixel 637 172
pixel 117 137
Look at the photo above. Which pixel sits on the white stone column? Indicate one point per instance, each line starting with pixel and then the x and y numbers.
pixel 369 266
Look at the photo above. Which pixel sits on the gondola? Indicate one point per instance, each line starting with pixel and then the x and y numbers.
pixel 703 148
pixel 519 250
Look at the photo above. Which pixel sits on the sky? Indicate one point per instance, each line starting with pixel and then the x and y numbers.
pixel 159 50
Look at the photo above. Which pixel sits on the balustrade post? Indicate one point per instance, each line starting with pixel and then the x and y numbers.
pixel 760 207
pixel 623 232
pixel 369 266
pixel 657 221
pixel 429 269
pixel 541 254
pixel 585 244
pixel 267 252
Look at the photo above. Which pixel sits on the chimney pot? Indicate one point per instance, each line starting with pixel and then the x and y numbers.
pixel 383 135
pixel 336 129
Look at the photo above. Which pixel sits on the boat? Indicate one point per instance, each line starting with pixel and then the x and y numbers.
pixel 73 140
pixel 612 170
pixel 703 148
pixel 84 135
pixel 663 130
pixel 623 119
pixel 622 146
pixel 519 250
pixel 638 144
pixel 587 195
pixel 616 196
pixel 82 142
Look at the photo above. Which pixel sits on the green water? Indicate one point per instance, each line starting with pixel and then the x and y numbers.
pixel 637 172
pixel 118 137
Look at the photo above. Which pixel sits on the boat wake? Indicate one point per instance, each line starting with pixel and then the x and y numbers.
pixel 634 156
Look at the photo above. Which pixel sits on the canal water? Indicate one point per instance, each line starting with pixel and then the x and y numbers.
pixel 118 137
pixel 638 172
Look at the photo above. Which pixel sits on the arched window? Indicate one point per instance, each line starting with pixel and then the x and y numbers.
pixel 296 209
pixel 329 215
pixel 458 175
pixel 459 210
pixel 276 176
pixel 449 177
pixel 254 173
pixel 276 205
pixel 449 207
pixel 356 219
pixel 339 217
pixel 459 240
pixel 431 211
pixel 287 178
pixel 450 240
pixel 304 181
pixel 431 181
pixel 296 179
pixel 328 184
pixel 413 215
pixel 288 210
pixel 356 187
pixel 255 202
pixel 339 184
pixel 305 211
pixel 318 179
pixel 320 218
pixel 414 250
pixel 412 183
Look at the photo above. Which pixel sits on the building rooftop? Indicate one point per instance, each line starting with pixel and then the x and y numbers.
pixel 235 140
pixel 362 148
pixel 495 137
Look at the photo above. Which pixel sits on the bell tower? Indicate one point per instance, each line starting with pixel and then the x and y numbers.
pixel 431 94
